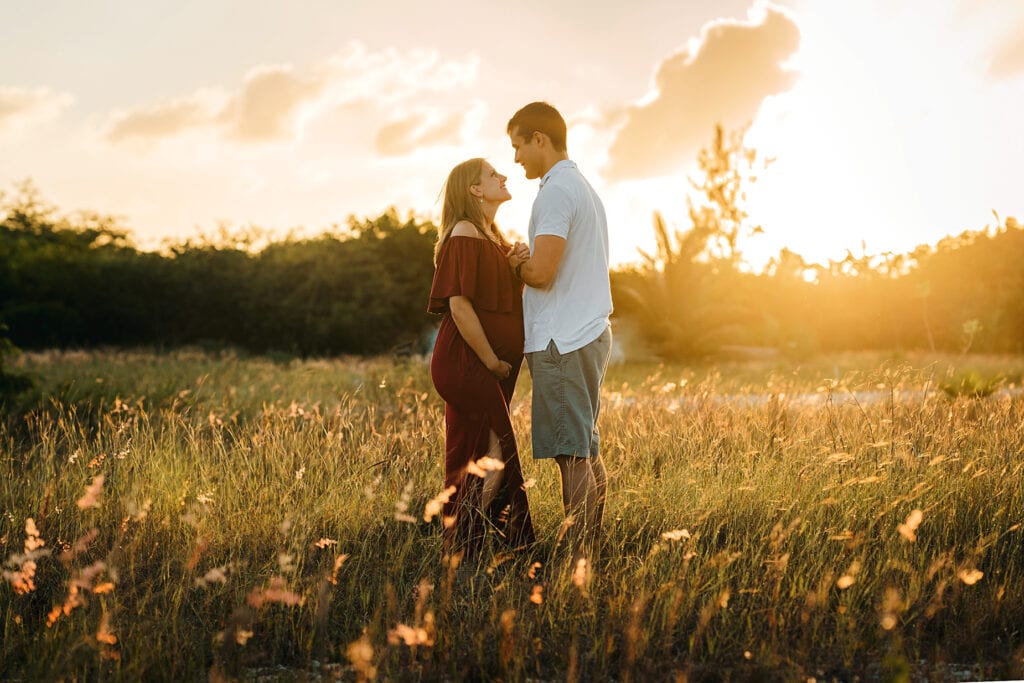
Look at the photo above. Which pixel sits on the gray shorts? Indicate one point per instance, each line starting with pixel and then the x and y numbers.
pixel 567 398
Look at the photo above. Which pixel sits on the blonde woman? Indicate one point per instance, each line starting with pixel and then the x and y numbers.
pixel 476 360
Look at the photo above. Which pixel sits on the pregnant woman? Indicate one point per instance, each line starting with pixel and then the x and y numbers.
pixel 476 361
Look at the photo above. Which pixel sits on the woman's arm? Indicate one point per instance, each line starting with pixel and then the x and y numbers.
pixel 469 327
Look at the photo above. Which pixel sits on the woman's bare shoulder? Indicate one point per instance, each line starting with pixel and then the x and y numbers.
pixel 466 229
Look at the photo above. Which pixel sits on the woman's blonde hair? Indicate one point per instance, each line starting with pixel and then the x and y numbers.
pixel 461 205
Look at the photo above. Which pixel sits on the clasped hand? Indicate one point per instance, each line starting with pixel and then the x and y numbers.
pixel 519 253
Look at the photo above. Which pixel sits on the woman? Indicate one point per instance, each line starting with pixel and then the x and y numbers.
pixel 476 361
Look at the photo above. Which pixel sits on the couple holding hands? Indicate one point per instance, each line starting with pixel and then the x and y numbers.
pixel 550 301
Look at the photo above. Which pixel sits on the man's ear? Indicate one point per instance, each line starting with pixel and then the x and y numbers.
pixel 541 139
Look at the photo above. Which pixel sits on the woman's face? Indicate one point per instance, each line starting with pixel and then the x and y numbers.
pixel 492 185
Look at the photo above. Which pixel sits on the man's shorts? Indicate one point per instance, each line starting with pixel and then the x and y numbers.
pixel 567 398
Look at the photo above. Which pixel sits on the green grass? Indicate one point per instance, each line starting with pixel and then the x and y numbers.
pixel 794 565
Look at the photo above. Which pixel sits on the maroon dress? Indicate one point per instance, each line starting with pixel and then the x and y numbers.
pixel 476 402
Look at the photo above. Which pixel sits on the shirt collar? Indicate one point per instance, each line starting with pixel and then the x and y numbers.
pixel 563 164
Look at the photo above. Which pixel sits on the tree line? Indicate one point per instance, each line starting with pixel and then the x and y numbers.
pixel 693 296
pixel 77 281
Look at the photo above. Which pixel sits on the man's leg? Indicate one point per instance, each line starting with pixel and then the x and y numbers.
pixel 581 500
pixel 601 488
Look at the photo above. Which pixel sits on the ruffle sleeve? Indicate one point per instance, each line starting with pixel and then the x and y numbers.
pixel 476 269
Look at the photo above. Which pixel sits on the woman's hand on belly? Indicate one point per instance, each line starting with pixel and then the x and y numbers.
pixel 472 331
pixel 500 369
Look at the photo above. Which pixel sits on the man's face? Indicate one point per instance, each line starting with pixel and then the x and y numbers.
pixel 528 153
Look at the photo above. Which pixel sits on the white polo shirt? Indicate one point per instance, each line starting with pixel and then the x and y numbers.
pixel 574 309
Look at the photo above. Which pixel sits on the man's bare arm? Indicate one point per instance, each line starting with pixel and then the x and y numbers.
pixel 540 269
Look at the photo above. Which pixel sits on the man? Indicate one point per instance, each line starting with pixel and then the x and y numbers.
pixel 566 304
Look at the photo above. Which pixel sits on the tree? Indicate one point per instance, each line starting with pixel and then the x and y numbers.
pixel 688 295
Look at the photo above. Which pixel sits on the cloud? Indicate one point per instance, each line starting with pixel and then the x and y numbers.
pixel 721 78
pixel 407 134
pixel 392 75
pixel 21 107
pixel 268 104
pixel 1008 60
pixel 161 120
pixel 273 103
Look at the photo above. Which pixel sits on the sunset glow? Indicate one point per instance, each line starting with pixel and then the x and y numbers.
pixel 888 126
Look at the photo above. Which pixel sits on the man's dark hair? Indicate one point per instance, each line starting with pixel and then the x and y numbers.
pixel 540 117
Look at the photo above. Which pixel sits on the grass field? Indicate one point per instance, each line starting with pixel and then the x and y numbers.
pixel 191 516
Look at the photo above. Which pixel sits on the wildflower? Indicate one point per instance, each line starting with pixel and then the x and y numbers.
pixel 82 581
pixel 32 540
pixel 409 635
pixel 338 561
pixel 360 653
pixel 581 573
pixel 435 505
pixel 91 499
pixel 849 578
pixel 215 575
pixel 891 607
pixel 970 576
pixel 402 505
pixel 370 491
pixel 276 592
pixel 533 570
pixel 675 535
pixel 325 542
pixel 79 546
pixel 508 622
pixel 908 530
pixel 104 634
pixel 536 597
pixel 481 466
pixel 21 578
pixel 139 511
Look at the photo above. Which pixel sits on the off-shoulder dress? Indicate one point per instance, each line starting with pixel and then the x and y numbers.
pixel 476 402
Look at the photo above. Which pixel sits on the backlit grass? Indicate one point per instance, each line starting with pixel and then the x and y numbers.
pixel 178 516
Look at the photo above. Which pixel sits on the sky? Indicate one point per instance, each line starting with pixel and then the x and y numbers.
pixel 888 124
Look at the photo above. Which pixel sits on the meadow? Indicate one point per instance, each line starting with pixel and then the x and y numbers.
pixel 196 515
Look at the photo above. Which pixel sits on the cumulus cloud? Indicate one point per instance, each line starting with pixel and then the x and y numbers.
pixel 20 107
pixel 1008 60
pixel 273 102
pixel 407 134
pixel 161 120
pixel 723 77
pixel 267 106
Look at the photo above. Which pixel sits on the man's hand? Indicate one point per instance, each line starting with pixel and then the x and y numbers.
pixel 519 253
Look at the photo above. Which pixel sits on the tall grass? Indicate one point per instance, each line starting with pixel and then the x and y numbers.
pixel 205 515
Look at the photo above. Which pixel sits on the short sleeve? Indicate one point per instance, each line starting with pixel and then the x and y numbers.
pixel 553 211
pixel 472 268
